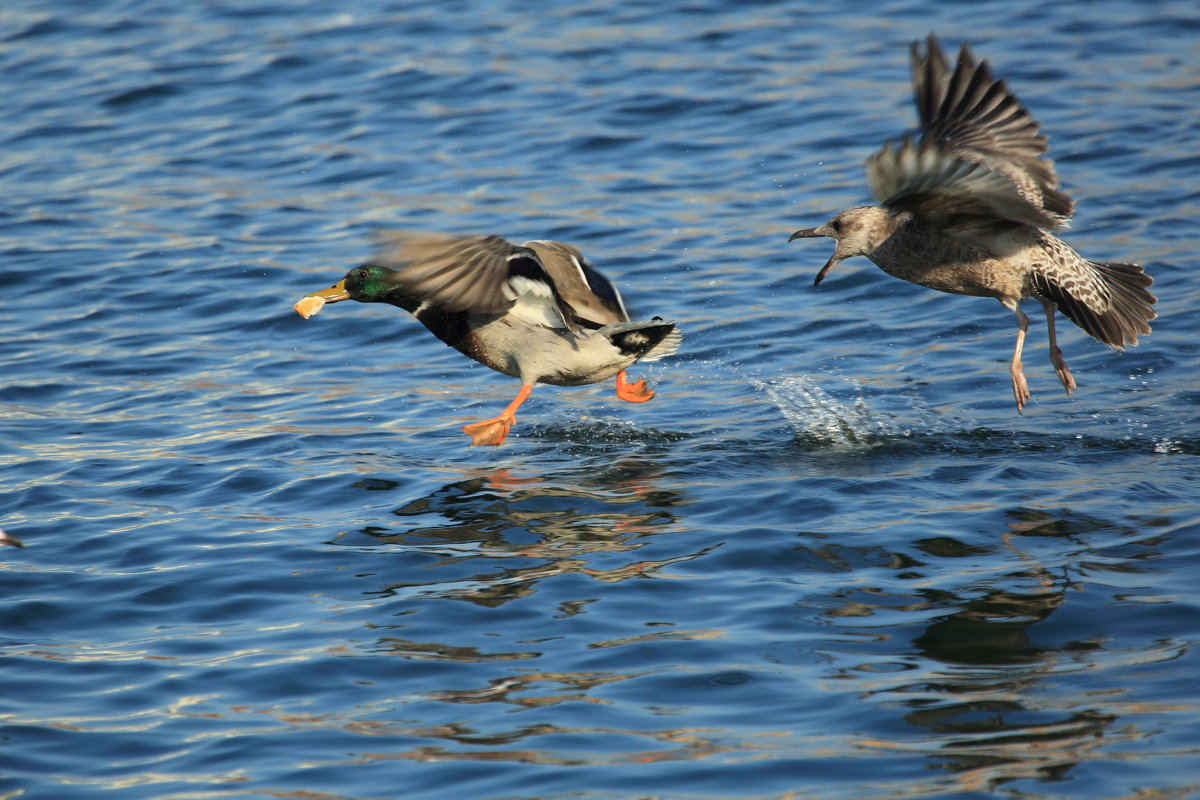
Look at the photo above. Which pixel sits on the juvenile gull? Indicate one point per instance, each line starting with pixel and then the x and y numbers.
pixel 966 210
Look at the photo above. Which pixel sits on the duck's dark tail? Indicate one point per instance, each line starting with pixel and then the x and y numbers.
pixel 646 340
pixel 1115 308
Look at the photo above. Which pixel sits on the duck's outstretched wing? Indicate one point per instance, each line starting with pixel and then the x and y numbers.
pixel 478 274
pixel 979 155
pixel 589 294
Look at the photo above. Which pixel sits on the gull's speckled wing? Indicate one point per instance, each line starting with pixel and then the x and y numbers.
pixel 980 152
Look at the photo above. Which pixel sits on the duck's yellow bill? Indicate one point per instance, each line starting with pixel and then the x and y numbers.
pixel 312 303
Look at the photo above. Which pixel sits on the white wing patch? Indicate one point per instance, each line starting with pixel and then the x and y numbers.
pixel 533 302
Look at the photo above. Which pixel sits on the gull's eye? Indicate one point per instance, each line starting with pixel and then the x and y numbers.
pixel 836 225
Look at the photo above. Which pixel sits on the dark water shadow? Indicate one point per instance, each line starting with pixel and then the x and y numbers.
pixel 1007 691
pixel 542 526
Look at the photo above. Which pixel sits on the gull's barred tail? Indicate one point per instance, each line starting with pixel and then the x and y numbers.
pixel 1117 318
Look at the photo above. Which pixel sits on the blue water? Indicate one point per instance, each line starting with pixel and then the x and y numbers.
pixel 829 560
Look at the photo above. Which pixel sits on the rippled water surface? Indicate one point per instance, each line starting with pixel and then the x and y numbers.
pixel 829 560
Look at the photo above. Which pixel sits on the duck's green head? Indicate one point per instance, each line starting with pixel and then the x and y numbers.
pixel 369 283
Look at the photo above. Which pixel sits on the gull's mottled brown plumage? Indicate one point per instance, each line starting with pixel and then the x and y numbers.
pixel 966 210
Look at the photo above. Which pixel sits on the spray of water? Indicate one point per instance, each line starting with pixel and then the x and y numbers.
pixel 814 412
pixel 851 419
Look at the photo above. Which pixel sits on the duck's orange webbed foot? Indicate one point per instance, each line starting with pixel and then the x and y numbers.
pixel 632 392
pixel 489 431
pixel 495 430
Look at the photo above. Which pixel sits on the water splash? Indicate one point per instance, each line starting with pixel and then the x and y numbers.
pixel 818 414
pixel 814 412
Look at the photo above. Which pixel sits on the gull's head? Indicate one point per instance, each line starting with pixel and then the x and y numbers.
pixel 857 231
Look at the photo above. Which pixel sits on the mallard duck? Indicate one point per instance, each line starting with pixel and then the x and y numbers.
pixel 963 211
pixel 539 312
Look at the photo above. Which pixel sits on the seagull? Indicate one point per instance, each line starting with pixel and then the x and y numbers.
pixel 969 209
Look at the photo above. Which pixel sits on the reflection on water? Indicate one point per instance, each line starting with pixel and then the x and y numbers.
pixel 618 502
pixel 550 528
pixel 989 688
pixel 999 698
pixel 495 539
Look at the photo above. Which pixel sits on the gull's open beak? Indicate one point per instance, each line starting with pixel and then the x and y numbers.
pixel 816 233
pixel 312 303
pixel 825 269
